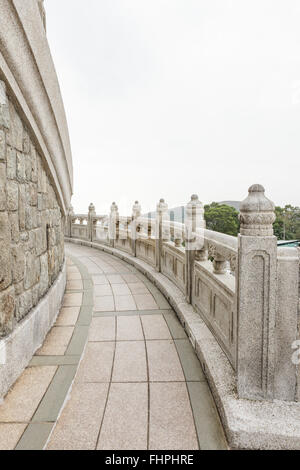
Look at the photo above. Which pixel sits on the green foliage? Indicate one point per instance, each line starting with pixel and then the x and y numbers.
pixel 287 224
pixel 222 218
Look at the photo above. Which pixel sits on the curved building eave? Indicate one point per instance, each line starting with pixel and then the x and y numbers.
pixel 27 68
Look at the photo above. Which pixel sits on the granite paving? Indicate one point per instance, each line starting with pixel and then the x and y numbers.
pixel 116 371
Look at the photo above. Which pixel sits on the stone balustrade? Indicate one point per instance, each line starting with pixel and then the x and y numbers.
pixel 244 288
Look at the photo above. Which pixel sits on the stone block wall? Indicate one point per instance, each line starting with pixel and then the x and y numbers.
pixel 31 221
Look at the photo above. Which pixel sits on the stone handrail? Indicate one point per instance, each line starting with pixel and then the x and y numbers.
pixel 244 288
pixel 222 248
pixel 79 218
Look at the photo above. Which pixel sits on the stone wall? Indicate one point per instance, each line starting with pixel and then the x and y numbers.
pixel 31 220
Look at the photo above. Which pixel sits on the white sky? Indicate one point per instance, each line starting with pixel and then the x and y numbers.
pixel 166 98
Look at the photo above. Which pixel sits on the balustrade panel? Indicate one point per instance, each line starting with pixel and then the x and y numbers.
pixel 214 299
pixel 174 264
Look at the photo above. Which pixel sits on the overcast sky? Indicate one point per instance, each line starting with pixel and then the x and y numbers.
pixel 165 98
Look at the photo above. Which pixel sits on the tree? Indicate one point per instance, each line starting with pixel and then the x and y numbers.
pixel 287 223
pixel 222 218
pixel 278 225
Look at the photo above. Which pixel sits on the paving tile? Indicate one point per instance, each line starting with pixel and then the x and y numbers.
pixel 161 300
pixel 100 280
pixel 92 264
pixel 88 298
pixel 175 326
pixel 104 304
pixel 53 360
pixel 159 297
pixel 109 270
pixel 72 300
pixel 88 284
pixel 130 278
pixel 85 275
pixel 120 268
pixel 115 279
pixel 68 316
pixel 94 270
pixel 96 365
pixel 171 419
pixel 127 313
pixel 101 263
pixel 129 328
pixel 21 402
pixel 72 269
pixel 124 302
pixel 209 429
pixel 145 302
pixel 130 362
pixel 138 288
pixel 74 285
pixel 74 276
pixel 35 436
pixel 10 435
pixel 102 289
pixel 103 329
pixel 106 268
pixel 125 421
pixel 89 258
pixel 56 341
pixel 189 361
pixel 155 327
pixel 53 400
pixel 79 424
pixel 164 364
pixel 78 340
pixel 85 316
pixel 120 289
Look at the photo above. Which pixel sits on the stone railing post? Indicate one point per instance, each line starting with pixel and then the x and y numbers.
pixel 256 297
pixel 69 220
pixel 136 213
pixel 113 224
pixel 161 215
pixel 287 301
pixel 90 222
pixel 194 219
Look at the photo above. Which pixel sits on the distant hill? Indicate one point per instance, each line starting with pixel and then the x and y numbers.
pixel 235 204
pixel 177 213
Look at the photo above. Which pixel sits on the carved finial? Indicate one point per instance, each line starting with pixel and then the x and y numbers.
pixel 136 209
pixel 92 208
pixel 257 213
pixel 195 211
pixel 114 207
pixel 162 206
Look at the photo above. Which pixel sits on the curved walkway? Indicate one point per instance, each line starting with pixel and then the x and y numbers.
pixel 115 372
